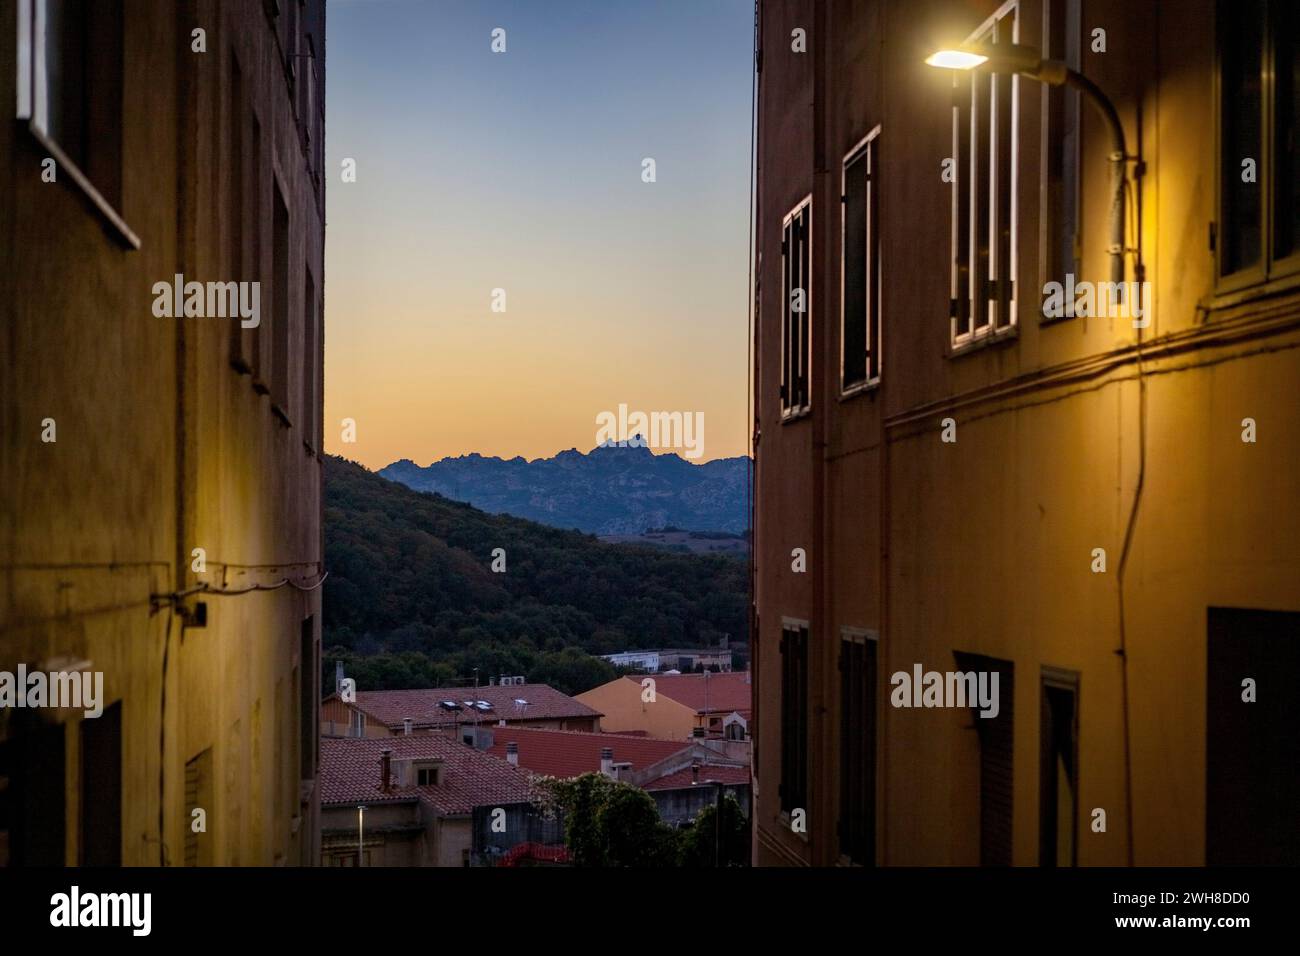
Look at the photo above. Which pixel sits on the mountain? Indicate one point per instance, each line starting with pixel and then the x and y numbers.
pixel 610 491
pixel 412 600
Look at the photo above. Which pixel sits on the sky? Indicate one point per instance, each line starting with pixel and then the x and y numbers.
pixel 523 171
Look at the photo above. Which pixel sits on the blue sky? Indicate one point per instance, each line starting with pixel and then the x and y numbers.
pixel 522 171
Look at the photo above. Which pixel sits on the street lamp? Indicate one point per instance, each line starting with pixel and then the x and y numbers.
pixel 1027 61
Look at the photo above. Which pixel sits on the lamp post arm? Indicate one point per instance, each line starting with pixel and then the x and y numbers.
pixel 1118 157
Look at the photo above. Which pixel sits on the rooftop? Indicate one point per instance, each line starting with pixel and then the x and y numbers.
pixel 440 706
pixel 709 774
pixel 570 753
pixel 725 692
pixel 350 774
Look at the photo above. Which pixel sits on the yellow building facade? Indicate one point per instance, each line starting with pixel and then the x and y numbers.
pixel 1098 508
pixel 160 510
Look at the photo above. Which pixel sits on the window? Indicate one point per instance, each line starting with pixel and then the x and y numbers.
pixel 356 723
pixel 996 747
pixel 310 365
pixel 101 788
pixel 796 331
pixel 241 339
pixel 984 206
pixel 308 717
pixel 1059 247
pixel 69 80
pixel 858 747
pixel 198 795
pixel 1252 754
pixel 426 777
pixel 794 716
pixel 1257 235
pixel 280 307
pixel 32 791
pixel 257 206
pixel 1058 769
pixel 860 289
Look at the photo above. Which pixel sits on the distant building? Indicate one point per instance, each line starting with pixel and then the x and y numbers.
pixel 380 713
pixel 683 660
pixel 160 470
pixel 641 660
pixel 419 795
pixel 681 704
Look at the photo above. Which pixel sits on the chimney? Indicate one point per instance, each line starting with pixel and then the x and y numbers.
pixel 607 761
pixel 747 679
pixel 492 681
pixel 338 677
pixel 407 724
pixel 695 774
pixel 385 766
pixel 512 754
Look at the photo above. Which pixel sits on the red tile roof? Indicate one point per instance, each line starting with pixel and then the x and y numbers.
pixel 570 753
pixel 350 774
pixel 726 692
pixel 424 705
pixel 709 773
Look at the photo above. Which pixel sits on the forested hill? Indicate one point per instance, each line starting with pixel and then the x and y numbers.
pixel 412 599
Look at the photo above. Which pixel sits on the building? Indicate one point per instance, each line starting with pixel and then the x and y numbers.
pixel 965 469
pixel 639 660
pixel 160 522
pixel 718 704
pixel 652 662
pixel 419 795
pixel 683 776
pixel 387 712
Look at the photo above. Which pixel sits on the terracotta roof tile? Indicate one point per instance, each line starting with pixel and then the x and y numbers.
pixel 424 705
pixel 709 773
pixel 350 774
pixel 726 692
pixel 568 753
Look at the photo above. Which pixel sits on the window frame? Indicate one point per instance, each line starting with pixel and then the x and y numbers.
pixel 788 802
pixel 32 110
pixel 978 303
pixel 1268 272
pixel 865 150
pixel 1051 141
pixel 1058 678
pixel 790 411
pixel 864 636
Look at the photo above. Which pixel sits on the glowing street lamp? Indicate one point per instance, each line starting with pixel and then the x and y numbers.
pixel 1027 61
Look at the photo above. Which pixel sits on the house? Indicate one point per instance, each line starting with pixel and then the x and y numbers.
pixel 681 775
pixel 410 801
pixel 160 473
pixel 673 706
pixel 388 712
pixel 977 457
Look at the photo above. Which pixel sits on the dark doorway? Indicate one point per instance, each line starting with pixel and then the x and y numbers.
pixel 1058 769
pixel 101 788
pixel 1252 760
pixel 32 792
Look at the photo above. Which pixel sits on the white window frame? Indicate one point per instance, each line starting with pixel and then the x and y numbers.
pixel 981 309
pixel 864 149
pixel 32 107
pixel 790 411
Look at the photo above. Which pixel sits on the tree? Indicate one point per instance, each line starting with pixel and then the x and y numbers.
pixel 701 841
pixel 607 822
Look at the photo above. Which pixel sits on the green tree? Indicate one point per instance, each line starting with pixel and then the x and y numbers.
pixel 609 823
pixel 701 843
